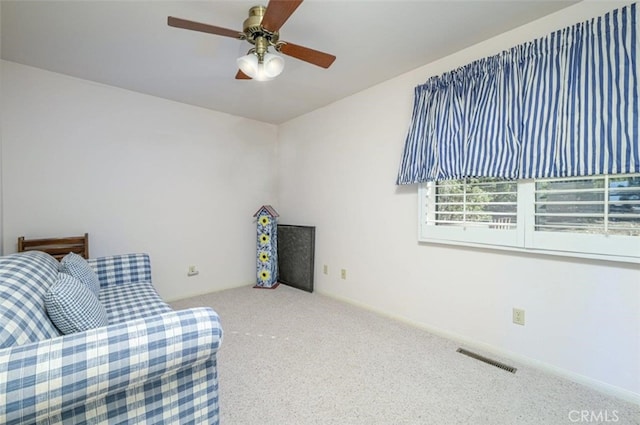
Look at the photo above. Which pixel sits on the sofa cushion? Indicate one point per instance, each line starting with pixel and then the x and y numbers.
pixel 72 306
pixel 24 280
pixel 132 301
pixel 76 266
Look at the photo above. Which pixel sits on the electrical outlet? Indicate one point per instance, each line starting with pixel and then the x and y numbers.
pixel 325 269
pixel 343 273
pixel 193 271
pixel 518 316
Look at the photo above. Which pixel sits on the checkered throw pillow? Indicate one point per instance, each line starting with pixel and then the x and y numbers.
pixel 76 266
pixel 25 278
pixel 73 307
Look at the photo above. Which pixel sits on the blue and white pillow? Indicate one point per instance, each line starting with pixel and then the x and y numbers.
pixel 76 266
pixel 72 306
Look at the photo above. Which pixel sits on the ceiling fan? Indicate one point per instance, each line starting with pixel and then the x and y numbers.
pixel 261 29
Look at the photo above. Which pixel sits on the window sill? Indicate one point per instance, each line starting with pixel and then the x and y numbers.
pixel 566 254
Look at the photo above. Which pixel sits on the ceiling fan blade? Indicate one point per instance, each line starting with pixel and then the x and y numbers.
pixel 242 76
pixel 197 26
pixel 306 54
pixel 277 13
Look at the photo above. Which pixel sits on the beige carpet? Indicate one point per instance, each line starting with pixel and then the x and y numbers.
pixel 290 357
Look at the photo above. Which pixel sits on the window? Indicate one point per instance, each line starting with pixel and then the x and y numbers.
pixel 594 217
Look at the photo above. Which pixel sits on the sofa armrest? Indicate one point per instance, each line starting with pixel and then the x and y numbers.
pixel 120 269
pixel 45 378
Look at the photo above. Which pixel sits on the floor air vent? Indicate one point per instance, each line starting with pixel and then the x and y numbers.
pixel 487 360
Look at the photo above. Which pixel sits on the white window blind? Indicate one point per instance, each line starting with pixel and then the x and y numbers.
pixel 594 217
pixel 594 205
pixel 477 202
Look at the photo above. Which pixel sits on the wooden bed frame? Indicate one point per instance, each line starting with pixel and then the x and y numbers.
pixel 57 247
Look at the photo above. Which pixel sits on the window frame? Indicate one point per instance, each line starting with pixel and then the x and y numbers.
pixel 523 237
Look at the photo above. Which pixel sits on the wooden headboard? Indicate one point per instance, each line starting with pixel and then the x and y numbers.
pixel 57 247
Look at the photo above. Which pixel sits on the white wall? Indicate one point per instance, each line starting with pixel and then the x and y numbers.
pixel 338 168
pixel 140 174
pixel 1 237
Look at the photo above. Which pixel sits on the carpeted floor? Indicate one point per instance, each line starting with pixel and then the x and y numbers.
pixel 290 357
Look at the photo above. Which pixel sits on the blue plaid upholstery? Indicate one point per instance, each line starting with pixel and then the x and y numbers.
pixel 131 301
pixel 72 306
pixel 24 281
pixel 120 269
pixel 77 266
pixel 159 368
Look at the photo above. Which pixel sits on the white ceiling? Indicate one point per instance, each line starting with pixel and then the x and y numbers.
pixel 128 44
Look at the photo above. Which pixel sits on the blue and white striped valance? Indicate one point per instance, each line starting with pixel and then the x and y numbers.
pixel 563 105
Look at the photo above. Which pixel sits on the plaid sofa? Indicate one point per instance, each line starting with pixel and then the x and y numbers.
pixel 150 364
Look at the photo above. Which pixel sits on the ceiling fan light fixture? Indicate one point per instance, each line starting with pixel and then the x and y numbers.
pixel 270 67
pixel 262 29
pixel 248 64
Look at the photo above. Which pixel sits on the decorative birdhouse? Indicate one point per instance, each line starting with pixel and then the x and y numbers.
pixel 267 247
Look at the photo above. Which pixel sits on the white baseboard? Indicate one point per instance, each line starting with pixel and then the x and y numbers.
pixel 209 290
pixel 600 386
